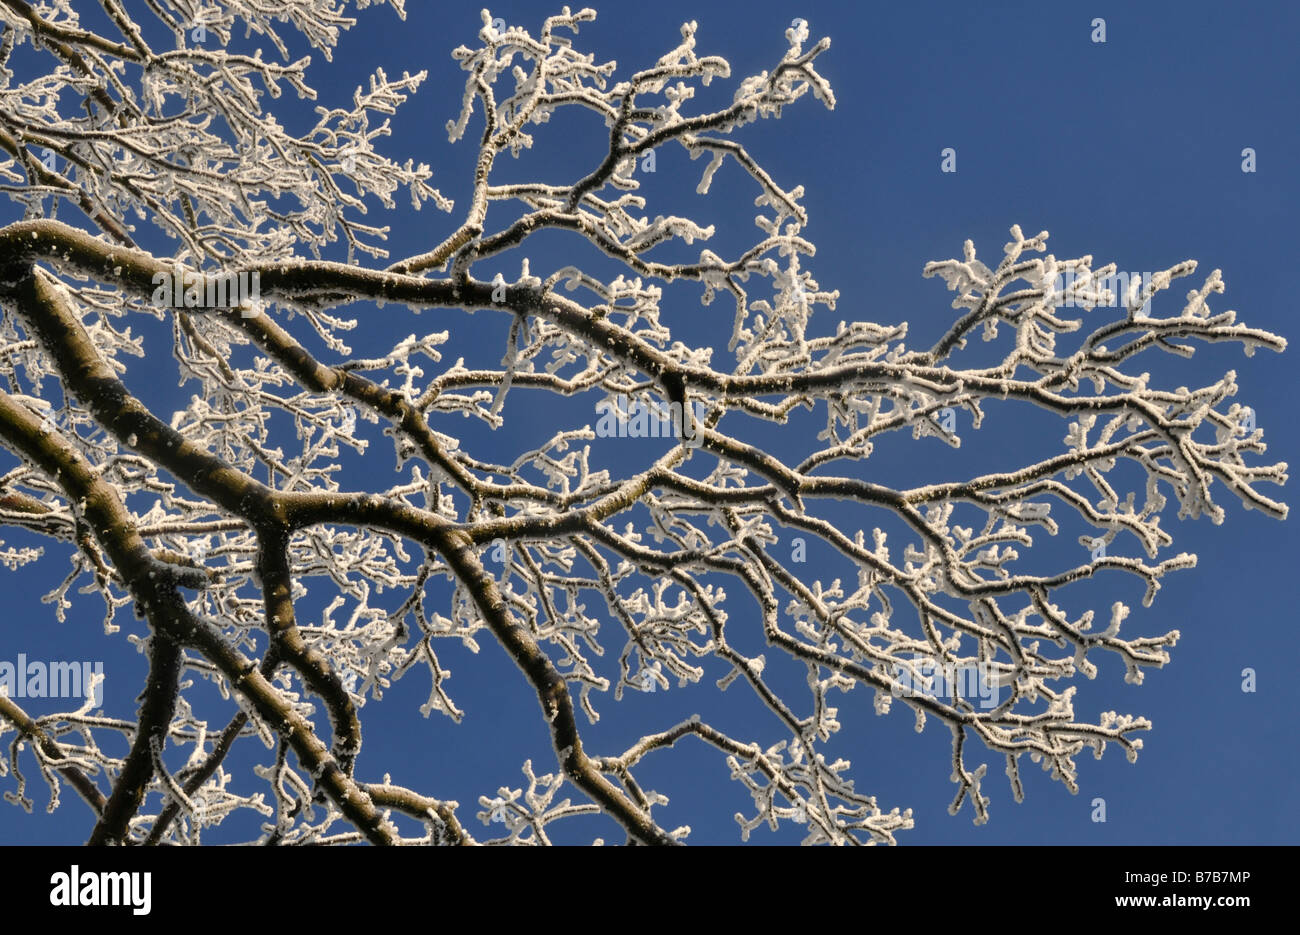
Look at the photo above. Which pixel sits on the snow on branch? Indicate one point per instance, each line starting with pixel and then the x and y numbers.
pixel 240 527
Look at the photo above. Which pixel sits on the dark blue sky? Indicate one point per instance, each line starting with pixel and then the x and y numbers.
pixel 1128 150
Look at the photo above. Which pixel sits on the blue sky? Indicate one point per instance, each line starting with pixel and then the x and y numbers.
pixel 1128 150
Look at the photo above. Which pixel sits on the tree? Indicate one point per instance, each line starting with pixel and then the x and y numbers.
pixel 209 526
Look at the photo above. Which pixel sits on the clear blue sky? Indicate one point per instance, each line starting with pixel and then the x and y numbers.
pixel 1129 150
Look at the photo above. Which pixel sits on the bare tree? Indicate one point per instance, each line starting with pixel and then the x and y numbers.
pixel 208 524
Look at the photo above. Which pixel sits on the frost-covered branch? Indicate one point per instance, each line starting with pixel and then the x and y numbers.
pixel 594 573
